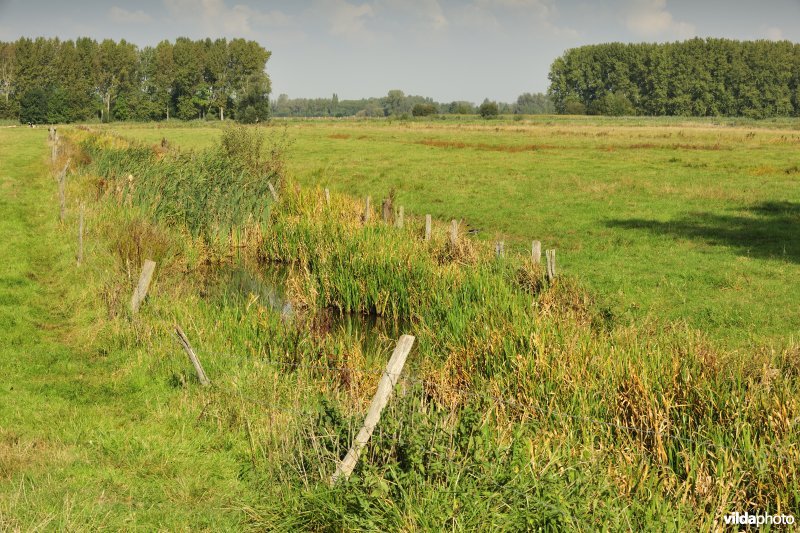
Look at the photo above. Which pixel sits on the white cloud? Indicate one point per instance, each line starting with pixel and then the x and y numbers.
pixel 123 16
pixel 541 14
pixel 345 19
pixel 774 34
pixel 430 12
pixel 219 19
pixel 650 18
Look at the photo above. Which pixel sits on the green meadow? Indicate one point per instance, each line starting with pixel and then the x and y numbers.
pixel 653 384
pixel 665 219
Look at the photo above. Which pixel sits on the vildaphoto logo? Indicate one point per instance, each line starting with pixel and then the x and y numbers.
pixel 757 519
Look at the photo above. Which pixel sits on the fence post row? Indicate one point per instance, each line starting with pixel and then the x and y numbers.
pixel 379 401
pixel 400 215
pixel 327 196
pixel 499 249
pixel 140 292
pixel 366 210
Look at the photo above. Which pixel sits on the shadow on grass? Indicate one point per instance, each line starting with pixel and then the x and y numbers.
pixel 766 230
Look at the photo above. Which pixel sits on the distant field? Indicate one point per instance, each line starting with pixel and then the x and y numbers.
pixel 695 220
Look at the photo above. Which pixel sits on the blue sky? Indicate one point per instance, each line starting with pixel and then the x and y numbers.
pixel 449 50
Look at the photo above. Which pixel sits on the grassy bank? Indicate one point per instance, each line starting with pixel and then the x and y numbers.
pixel 675 219
pixel 526 404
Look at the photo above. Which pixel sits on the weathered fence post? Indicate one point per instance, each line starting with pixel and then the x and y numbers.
pixel 427 227
pixel 272 191
pixel 366 210
pixel 499 249
pixel 327 196
pixel 379 401
pixel 80 235
pixel 201 374
pixel 62 193
pixel 551 264
pixel 386 210
pixel 400 215
pixel 536 252
pixel 140 292
pixel 454 232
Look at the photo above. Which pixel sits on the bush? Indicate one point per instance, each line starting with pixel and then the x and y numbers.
pixel 488 109
pixel 424 110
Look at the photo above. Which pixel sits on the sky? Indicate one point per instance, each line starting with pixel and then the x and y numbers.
pixel 445 49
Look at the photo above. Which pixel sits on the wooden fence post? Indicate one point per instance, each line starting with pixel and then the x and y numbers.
pixel 272 191
pixel 386 210
pixel 551 264
pixel 80 235
pixel 62 193
pixel 454 232
pixel 201 374
pixel 499 249
pixel 327 196
pixel 140 292
pixel 379 401
pixel 366 210
pixel 400 216
pixel 427 227
pixel 536 252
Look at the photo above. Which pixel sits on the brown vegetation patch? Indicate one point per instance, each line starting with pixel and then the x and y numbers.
pixel 510 148
pixel 339 136
pixel 676 146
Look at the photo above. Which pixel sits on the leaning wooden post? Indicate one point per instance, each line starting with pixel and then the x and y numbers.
pixel 201 374
pixel 536 252
pixel 140 292
pixel 272 191
pixel 400 215
pixel 454 232
pixel 366 210
pixel 327 196
pixel 551 264
pixel 80 235
pixel 427 227
pixel 379 401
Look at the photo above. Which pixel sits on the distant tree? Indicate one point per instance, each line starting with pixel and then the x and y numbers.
pixel 461 108
pixel 33 107
pixel 698 77
pixel 534 104
pixel 488 109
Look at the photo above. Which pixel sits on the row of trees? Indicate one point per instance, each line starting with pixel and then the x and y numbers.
pixel 397 104
pixel 699 77
pixel 50 81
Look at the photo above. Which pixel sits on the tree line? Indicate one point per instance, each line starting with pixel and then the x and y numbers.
pixel 53 81
pixel 398 104
pixel 698 77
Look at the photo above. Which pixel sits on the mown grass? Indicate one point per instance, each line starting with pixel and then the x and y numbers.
pixel 525 405
pixel 664 219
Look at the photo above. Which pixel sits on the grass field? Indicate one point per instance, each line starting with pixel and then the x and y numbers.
pixel 665 219
pixel 524 406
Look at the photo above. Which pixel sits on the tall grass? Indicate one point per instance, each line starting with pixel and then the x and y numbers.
pixel 529 406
